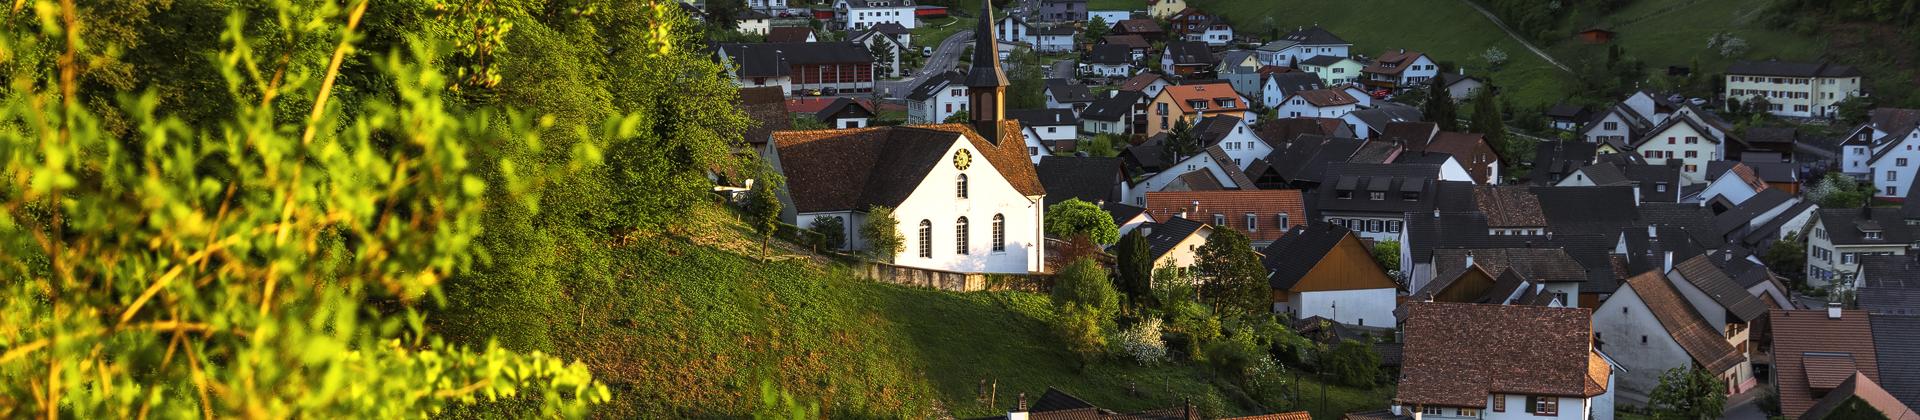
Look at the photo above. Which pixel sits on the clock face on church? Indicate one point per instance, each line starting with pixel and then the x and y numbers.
pixel 962 159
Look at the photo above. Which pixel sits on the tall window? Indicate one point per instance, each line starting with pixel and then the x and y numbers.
pixel 999 233
pixel 960 186
pixel 1283 221
pixel 960 236
pixel 926 239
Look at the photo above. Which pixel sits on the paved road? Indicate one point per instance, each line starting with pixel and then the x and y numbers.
pixel 1063 69
pixel 945 56
pixel 1517 37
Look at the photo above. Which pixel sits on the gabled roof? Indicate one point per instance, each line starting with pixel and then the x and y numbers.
pixel 1264 205
pixel 1189 53
pixel 1859 387
pixel 936 85
pixel 1378 117
pixel 1168 233
pixel 851 169
pixel 1278 132
pixel 1182 96
pixel 1127 40
pixel 1603 210
pixel 1289 259
pixel 1322 60
pixel 1090 179
pixel 1790 69
pixel 1123 212
pixel 1509 206
pixel 1112 108
pixel 1277 45
pixel 1314 35
pixel 1843 227
pixel 1415 134
pixel 767 107
pixel 1890 284
pixel 775 59
pixel 1393 62
pixel 1305 158
pixel 1543 264
pixel 1043 117
pixel 1701 341
pixel 1798 334
pixel 1360 180
pixel 1139 82
pixel 1559 158
pixel 1705 134
pixel 1065 91
pixel 1290 82
pixel 1746 174
pixel 1898 354
pixel 1327 97
pixel 1458 353
pixel 843 104
pixel 789 34
pixel 1137 26
pixel 1110 54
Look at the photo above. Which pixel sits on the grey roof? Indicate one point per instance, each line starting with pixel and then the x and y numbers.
pixel 1597 210
pixel 1277 46
pixel 986 71
pixel 1543 264
pixel 1236 56
pixel 1765 135
pixel 1112 108
pixel 1321 60
pixel 1696 221
pixel 1790 69
pixel 1707 277
pixel 1898 353
pixel 1305 158
pixel 1449 79
pixel 1043 117
pixel 774 59
pixel 1314 35
pixel 1377 118
pixel 1189 52
pixel 1564 110
pixel 1890 284
pixel 1148 156
pixel 1561 159
pixel 1390 179
pixel 1742 216
pixel 1291 82
pixel 1289 258
pixel 1090 179
pixel 1842 230
pixel 1110 54
pixel 936 85
pixel 1168 233
pixel 1122 212
pixel 843 105
pixel 1065 91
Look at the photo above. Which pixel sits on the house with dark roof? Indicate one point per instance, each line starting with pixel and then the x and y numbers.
pixel 1187 58
pixel 1814 351
pixel 1883 128
pixel 1147 83
pixel 862 14
pixel 1565 117
pixel 767 107
pixel 1368 123
pixel 1648 327
pixel 1261 215
pixel 1302 44
pixel 1898 352
pixel 1277 86
pixel 1235 136
pixel 791 34
pixel 1792 89
pixel 1110 60
pixel 796 66
pixel 1091 179
pixel 1557 274
pixel 937 98
pixel 1056 129
pixel 1860 397
pixel 1684 139
pixel 1470 360
pixel 1128 217
pixel 1324 270
pixel 1460 86
pixel 1888 284
pixel 1763 219
pixel 1065 94
pixel 1651 183
pixel 1373 199
pixel 1136 45
pixel 1321 103
pixel 1732 310
pixel 1728 185
pixel 1176 242
pixel 1399 69
pixel 844 113
pixel 1841 236
pixel 1120 112
pixel 1556 161
pixel 1147 29
pixel 1334 70
pixel 1474 283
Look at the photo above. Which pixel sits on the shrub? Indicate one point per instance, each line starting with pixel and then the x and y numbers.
pixel 832 232
pixel 1142 342
pixel 1353 363
pixel 1084 283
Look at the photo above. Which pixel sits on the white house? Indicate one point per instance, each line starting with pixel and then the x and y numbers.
pixel 1065 94
pixel 1321 269
pixel 1110 17
pixel 1523 362
pixel 1113 114
pixel 767 5
pixel 1649 328
pixel 1013 29
pixel 937 98
pixel 1884 127
pixel 1212 168
pixel 1217 34
pixel 1400 69
pixel 1235 136
pixel 1056 39
pixel 964 204
pixel 1683 139
pixel 1302 44
pixel 862 14
pixel 1176 242
pixel 1333 70
pixel 1731 186
pixel 1057 129
pixel 1840 236
pixel 752 22
pixel 1110 60
pixel 1036 148
pixel 1319 103
pixel 1793 89
pixel 1276 87
pixel 1729 309
pixel 1892 166
pixel 895 45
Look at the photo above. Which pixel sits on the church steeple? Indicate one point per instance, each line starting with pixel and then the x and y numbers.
pixel 986 83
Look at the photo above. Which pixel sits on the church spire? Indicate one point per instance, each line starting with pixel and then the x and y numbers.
pixel 986 83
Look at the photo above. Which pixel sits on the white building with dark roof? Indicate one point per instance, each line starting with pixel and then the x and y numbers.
pixel 1793 89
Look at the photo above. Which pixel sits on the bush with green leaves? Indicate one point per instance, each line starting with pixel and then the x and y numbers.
pixel 273 268
pixel 881 232
pixel 1352 363
pixel 1690 393
pixel 1074 219
pixel 1084 283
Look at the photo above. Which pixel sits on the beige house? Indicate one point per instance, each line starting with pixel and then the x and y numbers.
pixel 1175 242
pixel 1163 9
pixel 1793 89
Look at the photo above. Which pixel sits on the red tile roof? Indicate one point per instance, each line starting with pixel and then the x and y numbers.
pixel 850 169
pixel 1804 342
pixel 1327 97
pixel 1859 386
pixel 1266 205
pixel 1182 94
pixel 1459 353
pixel 1399 60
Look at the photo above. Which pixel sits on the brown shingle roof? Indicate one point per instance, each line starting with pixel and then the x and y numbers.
pixel 1859 386
pixel 1266 205
pixel 1327 97
pixel 1701 341
pixel 1469 148
pixel 1550 265
pixel 1509 206
pixel 850 169
pixel 1797 333
pixel 788 34
pixel 1458 353
pixel 1392 62
pixel 767 107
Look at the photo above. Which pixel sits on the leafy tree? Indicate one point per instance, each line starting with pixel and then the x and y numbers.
pixel 1487 120
pixel 1788 257
pixel 1083 283
pixel 882 57
pixel 1026 80
pixel 1074 218
pixel 1688 394
pixel 1135 271
pixel 724 14
pixel 1837 191
pixel 1096 29
pixel 832 231
pixel 764 206
pixel 1853 111
pixel 1230 274
pixel 1103 145
pixel 1440 108
pixel 1143 343
pixel 1181 142
pixel 1081 332
pixel 1353 363
pixel 1494 57
pixel 881 232
pixel 1388 254
pixel 246 271
pixel 958 117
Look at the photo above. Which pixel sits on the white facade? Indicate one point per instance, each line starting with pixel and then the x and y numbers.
pixel 1137 195
pixel 1452 170
pixel 1633 335
pixel 1052 43
pixel 1731 186
pixel 1297 106
pixel 1243 145
pixel 1692 148
pixel 947 101
pixel 1614 126
pixel 1717 317
pixel 1035 148
pixel 1599 407
pixel 1362 98
pixel 936 204
pixel 1185 253
pixel 1827 261
pixel 1294 54
pixel 1794 96
pixel 756 26
pixel 1109 16
pixel 1012 29
pixel 1418 72
pixel 1364 307
pixel 867 14
pixel 1892 169
pixel 1214 36
pixel 1111 70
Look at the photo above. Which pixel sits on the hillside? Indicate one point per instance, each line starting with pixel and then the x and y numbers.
pixel 697 322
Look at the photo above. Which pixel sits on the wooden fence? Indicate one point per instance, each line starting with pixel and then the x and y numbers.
pixel 950 280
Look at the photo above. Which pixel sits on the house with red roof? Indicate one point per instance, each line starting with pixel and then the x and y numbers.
pixel 1468 360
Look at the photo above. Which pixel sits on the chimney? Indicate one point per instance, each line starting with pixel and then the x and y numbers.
pixel 1653 232
pixel 1196 206
pixel 1469 258
pixel 1833 310
pixel 1666 264
pixel 1436 213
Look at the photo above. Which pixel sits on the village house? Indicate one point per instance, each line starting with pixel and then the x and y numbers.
pixel 1323 103
pixel 1793 89
pixel 1086 178
pixel 1332 69
pixel 1460 86
pixel 887 37
pixel 1144 28
pixel 1400 69
pixel 1898 357
pixel 1888 285
pixel 1262 215
pixel 1892 164
pixel 1110 60
pixel 1136 45
pixel 769 6
pixel 1057 129
pixel 939 97
pixel 791 34
pixel 1302 44
pixel 1013 29
pixel 862 14
pixel 1474 283
pixel 1235 136
pixel 1558 275
pixel 1684 139
pixel 1128 217
pixel 1370 123
pixel 844 113
pixel 1240 69
pixel 1815 350
pixel 1187 58
pixel 1192 102
pixel 1165 8
pixel 1565 117
pixel 1147 83
pixel 1884 129
pixel 842 66
pixel 1840 236
pixel 1211 169
pixel 1465 360
pixel 1324 270
pixel 1373 199
pixel 1196 25
pixel 971 183
pixel 1865 394
pixel 1732 310
pixel 1176 242
pixel 1108 16
pixel 1276 85
pixel 753 22
pixel 1649 328
pixel 1118 113
pixel 1065 94
pixel 1063 10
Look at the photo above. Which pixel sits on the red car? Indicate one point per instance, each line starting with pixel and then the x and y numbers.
pixel 1382 94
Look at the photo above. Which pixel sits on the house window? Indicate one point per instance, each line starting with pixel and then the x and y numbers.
pixel 1660 187
pixel 1609 125
pixel 1900 162
pixel 926 239
pixel 1432 411
pixel 1252 225
pixel 1545 406
pixel 1692 154
pixel 960 187
pixel 999 233
pixel 1499 403
pixel 1283 221
pixel 960 236
pixel 1376 195
pixel 1467 412
pixel 1373 225
pixel 1219 220
pixel 1033 151
pixel 1693 140
pixel 1893 176
pixel 1393 226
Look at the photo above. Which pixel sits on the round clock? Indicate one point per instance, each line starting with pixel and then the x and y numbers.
pixel 962 159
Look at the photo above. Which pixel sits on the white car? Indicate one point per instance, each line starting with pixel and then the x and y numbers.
pixel 926 51
pixel 1698 101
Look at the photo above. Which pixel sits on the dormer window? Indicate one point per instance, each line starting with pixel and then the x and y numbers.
pixel 1252 224
pixel 1873 234
pixel 1376 195
pixel 1343 194
pixel 1410 195
pixel 1219 220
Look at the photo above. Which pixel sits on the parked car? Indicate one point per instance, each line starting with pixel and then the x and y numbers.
pixel 1382 94
pixel 1698 101
pixel 926 51
pixel 827 91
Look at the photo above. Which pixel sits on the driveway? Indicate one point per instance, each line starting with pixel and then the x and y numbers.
pixel 945 56
pixel 1745 406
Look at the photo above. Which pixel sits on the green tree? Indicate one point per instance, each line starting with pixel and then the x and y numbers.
pixel 1353 363
pixel 1838 191
pixel 1692 394
pixel 1026 80
pixel 1102 145
pixel 1388 254
pixel 881 231
pixel 246 271
pixel 764 206
pixel 1085 284
pixel 1096 29
pixel 958 117
pixel 883 56
pixel 1081 332
pixel 1230 274
pixel 724 15
pixel 1440 108
pixel 1181 142
pixel 1788 258
pixel 1135 271
pixel 1486 119
pixel 832 231
pixel 1074 218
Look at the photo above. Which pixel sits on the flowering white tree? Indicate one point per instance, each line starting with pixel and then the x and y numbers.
pixel 1142 342
pixel 1494 56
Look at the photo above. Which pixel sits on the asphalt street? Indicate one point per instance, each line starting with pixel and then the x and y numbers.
pixel 944 58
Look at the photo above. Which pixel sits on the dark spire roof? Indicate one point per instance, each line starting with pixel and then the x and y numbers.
pixel 986 53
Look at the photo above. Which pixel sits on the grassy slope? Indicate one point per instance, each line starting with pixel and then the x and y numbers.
pixel 1674 32
pixel 692 330
pixel 1445 29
